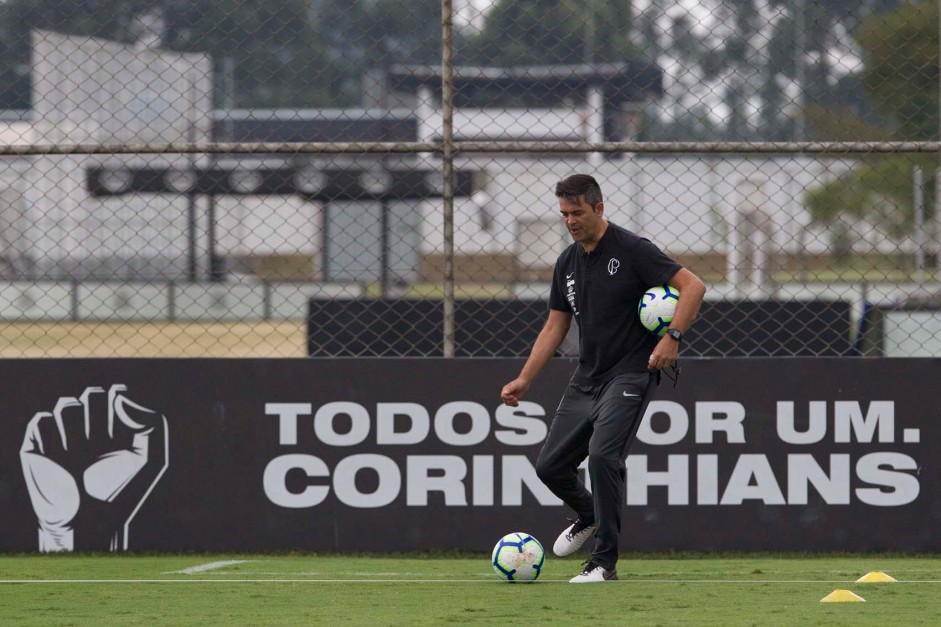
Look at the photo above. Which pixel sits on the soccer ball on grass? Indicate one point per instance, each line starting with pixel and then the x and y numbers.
pixel 518 558
pixel 656 308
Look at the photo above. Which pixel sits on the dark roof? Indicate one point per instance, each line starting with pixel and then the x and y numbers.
pixel 287 128
pixel 632 81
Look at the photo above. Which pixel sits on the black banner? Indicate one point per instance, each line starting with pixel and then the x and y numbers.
pixel 398 327
pixel 815 454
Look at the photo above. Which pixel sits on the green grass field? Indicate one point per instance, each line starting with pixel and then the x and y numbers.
pixel 435 590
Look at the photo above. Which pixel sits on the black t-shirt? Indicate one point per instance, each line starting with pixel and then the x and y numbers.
pixel 602 289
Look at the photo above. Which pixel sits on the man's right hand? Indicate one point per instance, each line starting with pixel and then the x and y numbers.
pixel 513 391
pixel 547 343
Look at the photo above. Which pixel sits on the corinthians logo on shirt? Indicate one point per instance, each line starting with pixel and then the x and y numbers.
pixel 613 265
pixel 89 465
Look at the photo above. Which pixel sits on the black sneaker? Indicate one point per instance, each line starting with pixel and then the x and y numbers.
pixel 573 538
pixel 594 573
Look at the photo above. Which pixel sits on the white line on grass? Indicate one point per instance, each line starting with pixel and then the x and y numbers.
pixel 192 570
pixel 491 581
pixel 261 573
pixel 225 581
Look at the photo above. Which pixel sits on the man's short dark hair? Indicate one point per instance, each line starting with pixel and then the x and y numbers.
pixel 578 186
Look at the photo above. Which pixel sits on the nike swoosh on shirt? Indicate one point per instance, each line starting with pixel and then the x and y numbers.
pixel 626 394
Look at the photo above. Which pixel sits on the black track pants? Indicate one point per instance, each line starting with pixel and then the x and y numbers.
pixel 598 422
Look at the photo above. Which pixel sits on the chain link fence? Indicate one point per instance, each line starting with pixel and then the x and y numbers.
pixel 295 177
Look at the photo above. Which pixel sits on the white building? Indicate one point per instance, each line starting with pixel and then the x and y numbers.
pixel 76 216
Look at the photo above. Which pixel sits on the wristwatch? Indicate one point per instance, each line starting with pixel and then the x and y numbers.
pixel 676 334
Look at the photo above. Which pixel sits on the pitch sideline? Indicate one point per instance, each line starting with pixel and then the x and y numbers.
pixel 490 581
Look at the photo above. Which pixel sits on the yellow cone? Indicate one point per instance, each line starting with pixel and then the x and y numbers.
pixel 876 576
pixel 842 596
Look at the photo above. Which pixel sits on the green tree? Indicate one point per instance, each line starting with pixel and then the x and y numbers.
pixel 901 75
pixel 901 60
pixel 546 32
pixel 751 57
pixel 363 35
pixel 276 51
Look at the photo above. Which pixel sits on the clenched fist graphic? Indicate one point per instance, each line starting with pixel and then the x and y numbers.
pixel 89 466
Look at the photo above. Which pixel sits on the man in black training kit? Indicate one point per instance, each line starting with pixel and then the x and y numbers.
pixel 600 280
